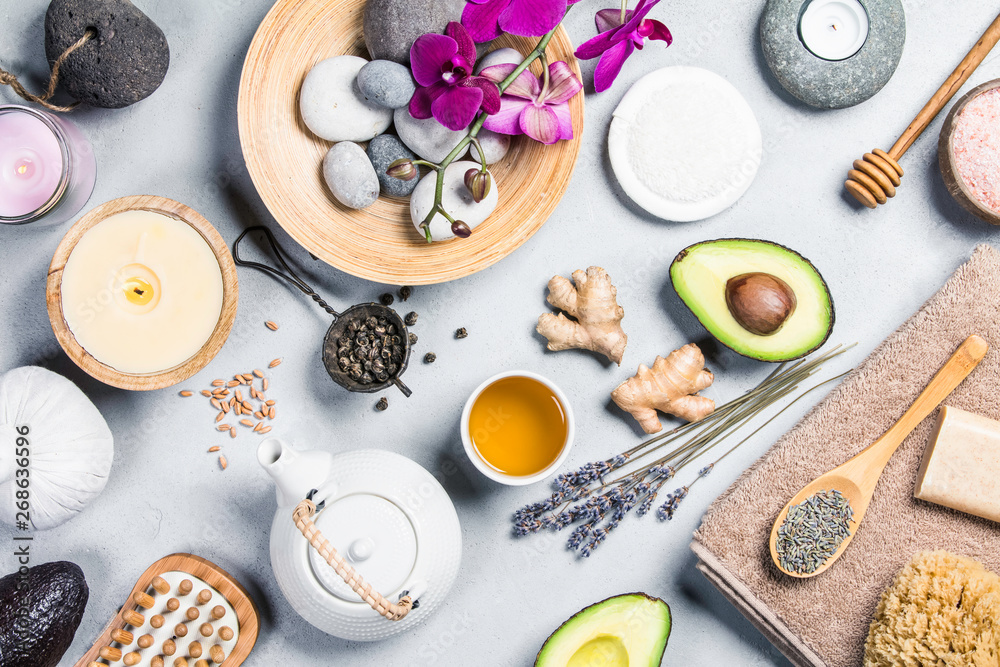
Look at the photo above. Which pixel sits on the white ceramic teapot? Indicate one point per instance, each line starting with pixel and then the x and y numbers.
pixel 374 544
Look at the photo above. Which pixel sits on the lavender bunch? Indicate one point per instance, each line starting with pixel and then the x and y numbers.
pixel 598 496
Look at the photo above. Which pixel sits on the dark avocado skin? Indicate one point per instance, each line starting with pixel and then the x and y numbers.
pixel 37 622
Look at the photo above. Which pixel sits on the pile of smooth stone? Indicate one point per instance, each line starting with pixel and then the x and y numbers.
pixel 350 100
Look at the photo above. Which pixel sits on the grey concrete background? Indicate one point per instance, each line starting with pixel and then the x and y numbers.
pixel 166 494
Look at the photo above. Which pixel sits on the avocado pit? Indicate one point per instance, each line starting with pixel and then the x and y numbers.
pixel 760 302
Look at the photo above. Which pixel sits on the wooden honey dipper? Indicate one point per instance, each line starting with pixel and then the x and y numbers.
pixel 875 177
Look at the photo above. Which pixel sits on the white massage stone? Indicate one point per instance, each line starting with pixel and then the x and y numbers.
pixel 456 199
pixel 333 107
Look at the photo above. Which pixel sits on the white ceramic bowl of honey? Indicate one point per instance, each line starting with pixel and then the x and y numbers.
pixel 517 428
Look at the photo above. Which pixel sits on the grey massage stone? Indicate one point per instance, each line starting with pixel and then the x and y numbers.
pixel 391 26
pixel 828 84
pixel 350 176
pixel 383 150
pixel 386 83
pixel 123 64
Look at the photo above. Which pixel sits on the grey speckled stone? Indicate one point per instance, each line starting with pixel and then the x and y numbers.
pixel 386 83
pixel 122 65
pixel 391 26
pixel 350 176
pixel 383 150
pixel 827 84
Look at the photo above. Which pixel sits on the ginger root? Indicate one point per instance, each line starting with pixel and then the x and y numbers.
pixel 671 386
pixel 593 305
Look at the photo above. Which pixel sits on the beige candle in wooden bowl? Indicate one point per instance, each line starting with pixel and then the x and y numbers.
pixel 969 152
pixel 142 292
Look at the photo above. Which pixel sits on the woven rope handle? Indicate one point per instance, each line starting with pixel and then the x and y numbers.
pixel 302 515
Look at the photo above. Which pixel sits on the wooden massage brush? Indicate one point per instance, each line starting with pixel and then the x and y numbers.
pixel 874 179
pixel 183 612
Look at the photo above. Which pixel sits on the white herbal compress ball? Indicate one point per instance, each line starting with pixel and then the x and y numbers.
pixel 48 423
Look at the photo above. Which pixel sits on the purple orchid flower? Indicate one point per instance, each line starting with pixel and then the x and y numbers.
pixel 443 66
pixel 618 40
pixel 488 19
pixel 529 107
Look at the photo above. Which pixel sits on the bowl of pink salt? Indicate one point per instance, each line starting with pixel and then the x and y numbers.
pixel 969 152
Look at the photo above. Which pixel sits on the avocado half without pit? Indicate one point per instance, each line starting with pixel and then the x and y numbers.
pixel 758 298
pixel 624 631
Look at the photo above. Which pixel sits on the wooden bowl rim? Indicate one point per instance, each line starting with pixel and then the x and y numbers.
pixel 347 261
pixel 213 575
pixel 170 376
pixel 946 158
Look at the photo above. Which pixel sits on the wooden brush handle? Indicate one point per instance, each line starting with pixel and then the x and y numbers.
pixel 955 370
pixel 948 89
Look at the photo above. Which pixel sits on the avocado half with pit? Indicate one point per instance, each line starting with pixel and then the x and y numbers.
pixel 758 298
pixel 624 631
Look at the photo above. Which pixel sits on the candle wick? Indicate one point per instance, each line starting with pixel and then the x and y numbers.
pixel 834 26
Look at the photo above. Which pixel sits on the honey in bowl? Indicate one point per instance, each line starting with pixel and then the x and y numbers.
pixel 518 426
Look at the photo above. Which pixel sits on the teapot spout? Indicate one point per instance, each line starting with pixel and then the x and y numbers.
pixel 294 473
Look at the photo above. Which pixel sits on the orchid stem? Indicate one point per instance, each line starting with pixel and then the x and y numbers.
pixel 545 75
pixel 624 11
pixel 477 125
pixel 482 154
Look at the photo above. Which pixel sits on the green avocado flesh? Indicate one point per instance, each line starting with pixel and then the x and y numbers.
pixel 700 274
pixel 624 631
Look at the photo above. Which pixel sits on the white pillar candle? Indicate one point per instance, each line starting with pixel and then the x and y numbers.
pixel 834 29
pixel 142 292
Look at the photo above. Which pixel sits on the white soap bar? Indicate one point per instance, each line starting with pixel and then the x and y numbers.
pixel 961 466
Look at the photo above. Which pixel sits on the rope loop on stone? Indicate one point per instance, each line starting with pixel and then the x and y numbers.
pixel 8 79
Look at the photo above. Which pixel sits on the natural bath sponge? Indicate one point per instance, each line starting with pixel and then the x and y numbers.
pixel 593 305
pixel 940 611
pixel 671 386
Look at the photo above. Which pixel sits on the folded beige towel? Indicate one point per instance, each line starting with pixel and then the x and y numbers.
pixel 823 621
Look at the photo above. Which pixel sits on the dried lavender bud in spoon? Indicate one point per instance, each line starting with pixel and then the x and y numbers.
pixel 813 531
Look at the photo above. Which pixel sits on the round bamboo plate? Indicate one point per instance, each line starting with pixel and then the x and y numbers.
pixel 169 377
pixel 378 243
pixel 946 158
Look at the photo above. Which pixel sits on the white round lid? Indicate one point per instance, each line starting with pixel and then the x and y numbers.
pixel 684 144
pixel 372 534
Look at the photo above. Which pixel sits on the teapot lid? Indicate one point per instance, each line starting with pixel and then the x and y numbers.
pixel 374 535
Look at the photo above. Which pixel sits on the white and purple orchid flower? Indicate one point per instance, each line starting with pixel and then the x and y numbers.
pixel 539 109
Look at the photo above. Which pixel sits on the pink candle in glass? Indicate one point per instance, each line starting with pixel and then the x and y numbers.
pixel 31 164
pixel 47 167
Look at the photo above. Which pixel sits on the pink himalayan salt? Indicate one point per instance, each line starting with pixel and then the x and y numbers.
pixel 976 147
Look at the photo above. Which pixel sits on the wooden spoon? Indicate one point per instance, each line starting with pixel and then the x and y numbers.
pixel 857 478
